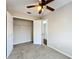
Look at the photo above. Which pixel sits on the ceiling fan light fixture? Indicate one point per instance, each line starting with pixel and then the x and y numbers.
pixel 39 8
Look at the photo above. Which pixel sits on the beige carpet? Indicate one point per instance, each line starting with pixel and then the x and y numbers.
pixel 31 51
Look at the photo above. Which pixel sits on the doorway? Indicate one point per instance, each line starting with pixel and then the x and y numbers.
pixel 45 31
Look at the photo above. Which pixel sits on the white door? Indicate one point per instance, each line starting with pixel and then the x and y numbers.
pixel 37 32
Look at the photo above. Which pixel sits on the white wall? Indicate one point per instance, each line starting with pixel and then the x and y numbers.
pixel 22 31
pixel 9 33
pixel 60 30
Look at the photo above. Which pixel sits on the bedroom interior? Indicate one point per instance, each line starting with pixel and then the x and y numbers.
pixel 39 29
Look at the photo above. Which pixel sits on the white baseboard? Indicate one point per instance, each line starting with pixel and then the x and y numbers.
pixel 22 42
pixel 59 51
pixel 9 52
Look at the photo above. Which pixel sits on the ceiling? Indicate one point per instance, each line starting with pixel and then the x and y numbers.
pixel 19 6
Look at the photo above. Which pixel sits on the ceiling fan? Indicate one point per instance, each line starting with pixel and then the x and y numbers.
pixel 41 4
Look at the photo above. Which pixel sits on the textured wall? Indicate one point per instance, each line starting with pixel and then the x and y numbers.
pixel 9 33
pixel 60 29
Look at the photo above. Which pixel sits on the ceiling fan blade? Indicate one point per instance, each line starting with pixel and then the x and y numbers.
pixel 31 6
pixel 50 8
pixel 41 0
pixel 48 1
pixel 40 11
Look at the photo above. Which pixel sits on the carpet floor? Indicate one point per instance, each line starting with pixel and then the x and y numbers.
pixel 31 51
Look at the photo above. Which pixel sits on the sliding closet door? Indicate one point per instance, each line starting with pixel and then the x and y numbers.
pixel 22 31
